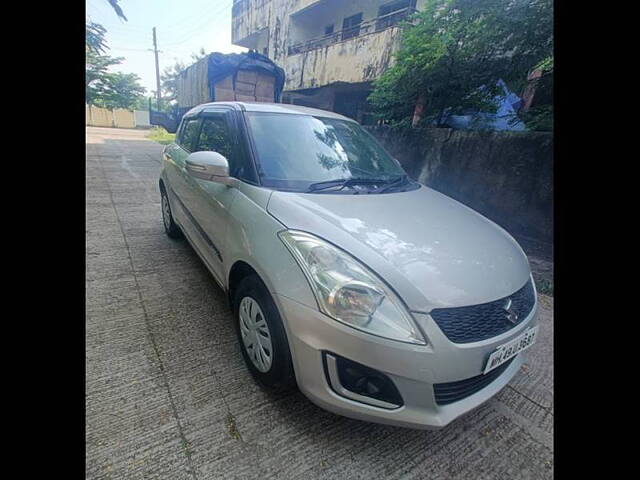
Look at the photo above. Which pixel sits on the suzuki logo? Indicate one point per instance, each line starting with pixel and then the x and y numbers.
pixel 512 316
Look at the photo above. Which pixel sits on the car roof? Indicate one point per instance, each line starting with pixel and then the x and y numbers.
pixel 269 108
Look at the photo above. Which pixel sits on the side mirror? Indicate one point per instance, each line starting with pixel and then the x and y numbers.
pixel 210 166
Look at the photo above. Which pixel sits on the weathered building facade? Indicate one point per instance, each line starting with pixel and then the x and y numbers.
pixel 331 50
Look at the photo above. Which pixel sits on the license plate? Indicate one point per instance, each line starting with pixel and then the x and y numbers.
pixel 511 349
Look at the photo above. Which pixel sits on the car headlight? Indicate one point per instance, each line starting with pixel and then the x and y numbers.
pixel 349 292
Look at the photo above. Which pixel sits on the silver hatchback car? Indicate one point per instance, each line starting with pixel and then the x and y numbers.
pixel 380 298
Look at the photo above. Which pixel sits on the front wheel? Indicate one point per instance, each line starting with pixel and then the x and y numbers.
pixel 263 340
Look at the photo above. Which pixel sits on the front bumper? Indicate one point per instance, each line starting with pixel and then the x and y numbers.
pixel 414 369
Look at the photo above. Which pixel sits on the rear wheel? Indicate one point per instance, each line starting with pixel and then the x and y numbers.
pixel 261 334
pixel 170 227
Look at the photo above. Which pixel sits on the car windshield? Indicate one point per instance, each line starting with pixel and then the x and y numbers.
pixel 296 152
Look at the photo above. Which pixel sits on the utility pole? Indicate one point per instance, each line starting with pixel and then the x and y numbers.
pixel 155 51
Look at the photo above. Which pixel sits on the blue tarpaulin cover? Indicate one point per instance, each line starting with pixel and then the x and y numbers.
pixel 505 118
pixel 218 67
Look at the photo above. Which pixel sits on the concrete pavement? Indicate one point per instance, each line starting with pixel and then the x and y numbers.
pixel 168 395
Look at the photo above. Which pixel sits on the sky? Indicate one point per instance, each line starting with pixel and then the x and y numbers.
pixel 182 27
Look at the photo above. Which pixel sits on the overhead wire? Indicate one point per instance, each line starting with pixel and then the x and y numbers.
pixel 208 23
pixel 140 35
pixel 186 20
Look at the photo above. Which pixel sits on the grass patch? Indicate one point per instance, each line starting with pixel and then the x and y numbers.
pixel 160 135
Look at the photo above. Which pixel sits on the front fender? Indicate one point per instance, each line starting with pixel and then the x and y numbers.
pixel 256 243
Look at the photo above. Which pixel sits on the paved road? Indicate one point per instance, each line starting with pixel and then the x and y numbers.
pixel 167 393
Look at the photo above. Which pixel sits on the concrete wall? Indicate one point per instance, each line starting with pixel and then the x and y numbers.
pixel 123 118
pixel 251 16
pixel 278 24
pixel 506 176
pixel 118 118
pixel 102 117
pixel 356 60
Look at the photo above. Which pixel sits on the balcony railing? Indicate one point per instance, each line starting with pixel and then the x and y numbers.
pixel 370 26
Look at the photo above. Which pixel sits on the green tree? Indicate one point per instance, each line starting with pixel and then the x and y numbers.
pixel 97 74
pixel 117 9
pixel 453 53
pixel 121 90
pixel 105 88
pixel 142 103
pixel 168 82
pixel 95 38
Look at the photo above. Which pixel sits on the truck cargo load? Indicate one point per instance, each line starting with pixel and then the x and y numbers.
pixel 219 77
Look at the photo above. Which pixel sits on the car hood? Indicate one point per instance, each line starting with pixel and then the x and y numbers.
pixel 432 250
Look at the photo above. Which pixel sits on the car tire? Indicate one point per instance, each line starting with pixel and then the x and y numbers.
pixel 252 299
pixel 170 227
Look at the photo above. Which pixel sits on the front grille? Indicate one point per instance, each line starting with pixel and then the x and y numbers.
pixel 453 391
pixel 479 322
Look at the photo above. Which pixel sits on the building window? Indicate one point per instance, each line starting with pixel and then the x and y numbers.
pixel 328 30
pixel 351 26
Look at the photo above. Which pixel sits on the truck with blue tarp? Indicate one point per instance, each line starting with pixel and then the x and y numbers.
pixel 219 77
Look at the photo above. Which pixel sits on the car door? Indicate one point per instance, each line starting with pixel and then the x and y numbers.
pixel 210 202
pixel 179 180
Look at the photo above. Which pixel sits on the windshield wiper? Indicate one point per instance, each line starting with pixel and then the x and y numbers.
pixel 343 182
pixel 395 183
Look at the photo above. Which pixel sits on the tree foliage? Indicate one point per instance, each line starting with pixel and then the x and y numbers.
pixel 119 90
pixel 453 52
pixel 117 9
pixel 142 103
pixel 104 88
pixel 168 82
pixel 95 38
pixel 97 70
